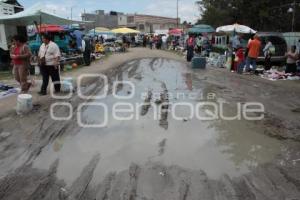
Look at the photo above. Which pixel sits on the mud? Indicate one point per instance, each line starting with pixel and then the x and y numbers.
pixel 161 158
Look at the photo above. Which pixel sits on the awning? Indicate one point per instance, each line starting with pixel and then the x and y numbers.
pixel 36 14
pixel 124 31
pixel 100 31
pixel 201 28
pixel 176 32
pixel 50 28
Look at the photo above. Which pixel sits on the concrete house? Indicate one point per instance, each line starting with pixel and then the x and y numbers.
pixel 8 7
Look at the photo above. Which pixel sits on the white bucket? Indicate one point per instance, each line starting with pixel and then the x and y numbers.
pixel 67 84
pixel 24 103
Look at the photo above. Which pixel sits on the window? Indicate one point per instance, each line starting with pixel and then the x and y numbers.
pixel 130 19
pixel 141 27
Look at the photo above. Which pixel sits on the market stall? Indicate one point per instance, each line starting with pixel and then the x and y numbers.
pixel 36 15
pixel 43 22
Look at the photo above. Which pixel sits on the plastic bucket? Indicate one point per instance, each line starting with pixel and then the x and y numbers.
pixel 24 103
pixel 67 84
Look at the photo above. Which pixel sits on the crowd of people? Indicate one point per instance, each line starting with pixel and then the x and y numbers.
pixel 246 58
pixel 199 44
pixel 163 41
pixel 49 54
pixel 49 61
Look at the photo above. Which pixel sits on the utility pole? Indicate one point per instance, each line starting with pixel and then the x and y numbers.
pixel 294 15
pixel 177 19
pixel 72 13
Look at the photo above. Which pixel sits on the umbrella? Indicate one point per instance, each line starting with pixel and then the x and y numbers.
pixel 176 32
pixel 100 31
pixel 124 31
pixel 201 28
pixel 236 28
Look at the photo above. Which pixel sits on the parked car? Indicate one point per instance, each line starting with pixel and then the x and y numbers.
pixel 278 42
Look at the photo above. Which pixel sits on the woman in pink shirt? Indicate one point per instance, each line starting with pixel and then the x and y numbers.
pixel 20 55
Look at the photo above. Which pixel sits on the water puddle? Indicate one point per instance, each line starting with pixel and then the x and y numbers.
pixel 218 147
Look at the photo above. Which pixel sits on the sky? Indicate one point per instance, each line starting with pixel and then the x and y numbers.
pixel 187 8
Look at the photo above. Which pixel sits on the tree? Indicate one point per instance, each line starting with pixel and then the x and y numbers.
pixel 262 15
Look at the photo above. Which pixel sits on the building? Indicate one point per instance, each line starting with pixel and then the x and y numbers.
pixel 143 23
pixel 109 20
pixel 9 7
pixel 150 23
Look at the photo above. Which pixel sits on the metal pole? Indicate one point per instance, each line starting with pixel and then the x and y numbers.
pixel 177 19
pixel 72 13
pixel 294 14
pixel 293 22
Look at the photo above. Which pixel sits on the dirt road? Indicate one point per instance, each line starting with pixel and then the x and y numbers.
pixel 156 154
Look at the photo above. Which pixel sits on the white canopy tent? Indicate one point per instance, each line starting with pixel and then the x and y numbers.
pixel 36 14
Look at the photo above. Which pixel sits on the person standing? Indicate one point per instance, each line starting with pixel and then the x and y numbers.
pixel 298 47
pixel 253 53
pixel 164 42
pixel 239 60
pixel 133 44
pixel 49 57
pixel 151 40
pixel 87 50
pixel 20 55
pixel 268 55
pixel 190 48
pixel 145 39
pixel 292 58
pixel 199 44
pixel 236 44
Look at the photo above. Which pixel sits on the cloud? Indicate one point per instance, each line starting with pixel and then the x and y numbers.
pixel 187 9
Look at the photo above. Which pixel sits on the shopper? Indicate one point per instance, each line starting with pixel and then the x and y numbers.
pixel 199 44
pixel 133 44
pixel 254 47
pixel 151 40
pixel 49 57
pixel 190 48
pixel 298 47
pixel 236 44
pixel 87 50
pixel 268 51
pixel 292 58
pixel 239 60
pixel 164 39
pixel 20 55
pixel 145 39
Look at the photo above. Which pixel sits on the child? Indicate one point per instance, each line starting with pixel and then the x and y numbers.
pixel 239 60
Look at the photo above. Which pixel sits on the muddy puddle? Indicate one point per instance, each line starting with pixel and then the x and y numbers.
pixel 217 147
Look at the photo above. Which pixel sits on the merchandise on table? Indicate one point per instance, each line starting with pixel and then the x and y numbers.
pixel 274 75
